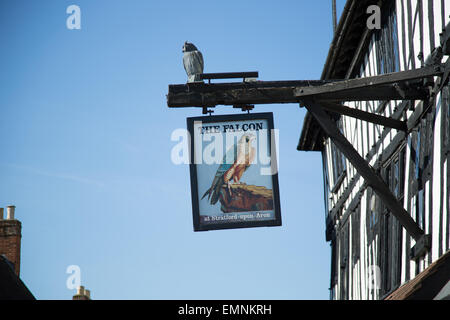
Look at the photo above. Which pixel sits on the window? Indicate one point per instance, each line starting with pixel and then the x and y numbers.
pixel 395 173
pixel 422 157
pixel 326 182
pixel 394 176
pixel 339 166
pixel 386 46
pixel 428 126
pixel 387 42
pixel 329 218
pixel 386 270
pixel 392 252
pixel 388 176
pixel 423 150
pixel 356 235
pixel 420 209
pixel 372 214
pixel 334 261
pixel 417 155
pixel 344 262
pixel 445 105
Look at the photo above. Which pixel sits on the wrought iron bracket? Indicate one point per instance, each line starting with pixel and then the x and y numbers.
pixel 205 110
pixel 245 107
pixel 422 246
pixel 246 76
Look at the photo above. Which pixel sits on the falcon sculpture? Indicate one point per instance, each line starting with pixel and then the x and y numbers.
pixel 242 154
pixel 192 61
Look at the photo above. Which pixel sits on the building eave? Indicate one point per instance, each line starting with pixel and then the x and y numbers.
pixel 12 287
pixel 426 285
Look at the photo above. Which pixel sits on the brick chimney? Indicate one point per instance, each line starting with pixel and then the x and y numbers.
pixel 10 235
pixel 82 294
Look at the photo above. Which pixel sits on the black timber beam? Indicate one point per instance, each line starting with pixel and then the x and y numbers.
pixel 404 85
pixel 368 83
pixel 363 115
pixel 274 92
pixel 369 93
pixel 237 93
pixel 364 169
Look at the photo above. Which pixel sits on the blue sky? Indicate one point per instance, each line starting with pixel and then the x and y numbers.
pixel 85 148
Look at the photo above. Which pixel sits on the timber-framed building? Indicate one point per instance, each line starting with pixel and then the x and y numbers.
pixel 372 254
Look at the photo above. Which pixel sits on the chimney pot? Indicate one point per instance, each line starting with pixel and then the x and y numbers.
pixel 80 290
pixel 82 294
pixel 10 212
pixel 1 213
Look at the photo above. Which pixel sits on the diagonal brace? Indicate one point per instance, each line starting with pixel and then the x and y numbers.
pixel 364 169
pixel 363 115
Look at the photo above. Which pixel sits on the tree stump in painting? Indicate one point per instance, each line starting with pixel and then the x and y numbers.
pixel 243 198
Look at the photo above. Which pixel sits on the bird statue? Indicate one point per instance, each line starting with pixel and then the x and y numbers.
pixel 192 61
pixel 243 155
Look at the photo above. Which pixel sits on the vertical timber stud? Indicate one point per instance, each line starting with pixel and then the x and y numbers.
pixel 365 170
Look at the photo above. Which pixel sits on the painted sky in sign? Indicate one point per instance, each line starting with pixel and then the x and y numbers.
pixel 252 176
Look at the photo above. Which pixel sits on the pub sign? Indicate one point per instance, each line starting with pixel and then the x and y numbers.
pixel 234 171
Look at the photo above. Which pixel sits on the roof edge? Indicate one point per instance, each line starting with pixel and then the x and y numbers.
pixel 338 38
pixel 331 58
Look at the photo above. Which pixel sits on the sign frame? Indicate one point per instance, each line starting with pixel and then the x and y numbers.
pixel 198 226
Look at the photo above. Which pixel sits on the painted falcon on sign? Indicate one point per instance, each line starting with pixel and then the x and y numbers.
pixel 242 154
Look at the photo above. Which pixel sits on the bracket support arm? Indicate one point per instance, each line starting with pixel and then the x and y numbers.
pixel 365 116
pixel 364 169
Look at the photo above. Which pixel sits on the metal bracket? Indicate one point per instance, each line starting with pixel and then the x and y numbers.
pixel 205 110
pixel 229 75
pixel 245 107
pixel 422 246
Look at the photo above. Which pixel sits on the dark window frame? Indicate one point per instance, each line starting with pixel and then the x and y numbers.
pixel 339 165
pixel 344 265
pixel 356 231
pixel 387 49
pixel 391 235
pixel 445 107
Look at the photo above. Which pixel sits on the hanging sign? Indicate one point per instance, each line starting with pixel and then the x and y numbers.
pixel 233 167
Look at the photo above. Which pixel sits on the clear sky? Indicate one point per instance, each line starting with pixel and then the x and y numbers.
pixel 85 148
